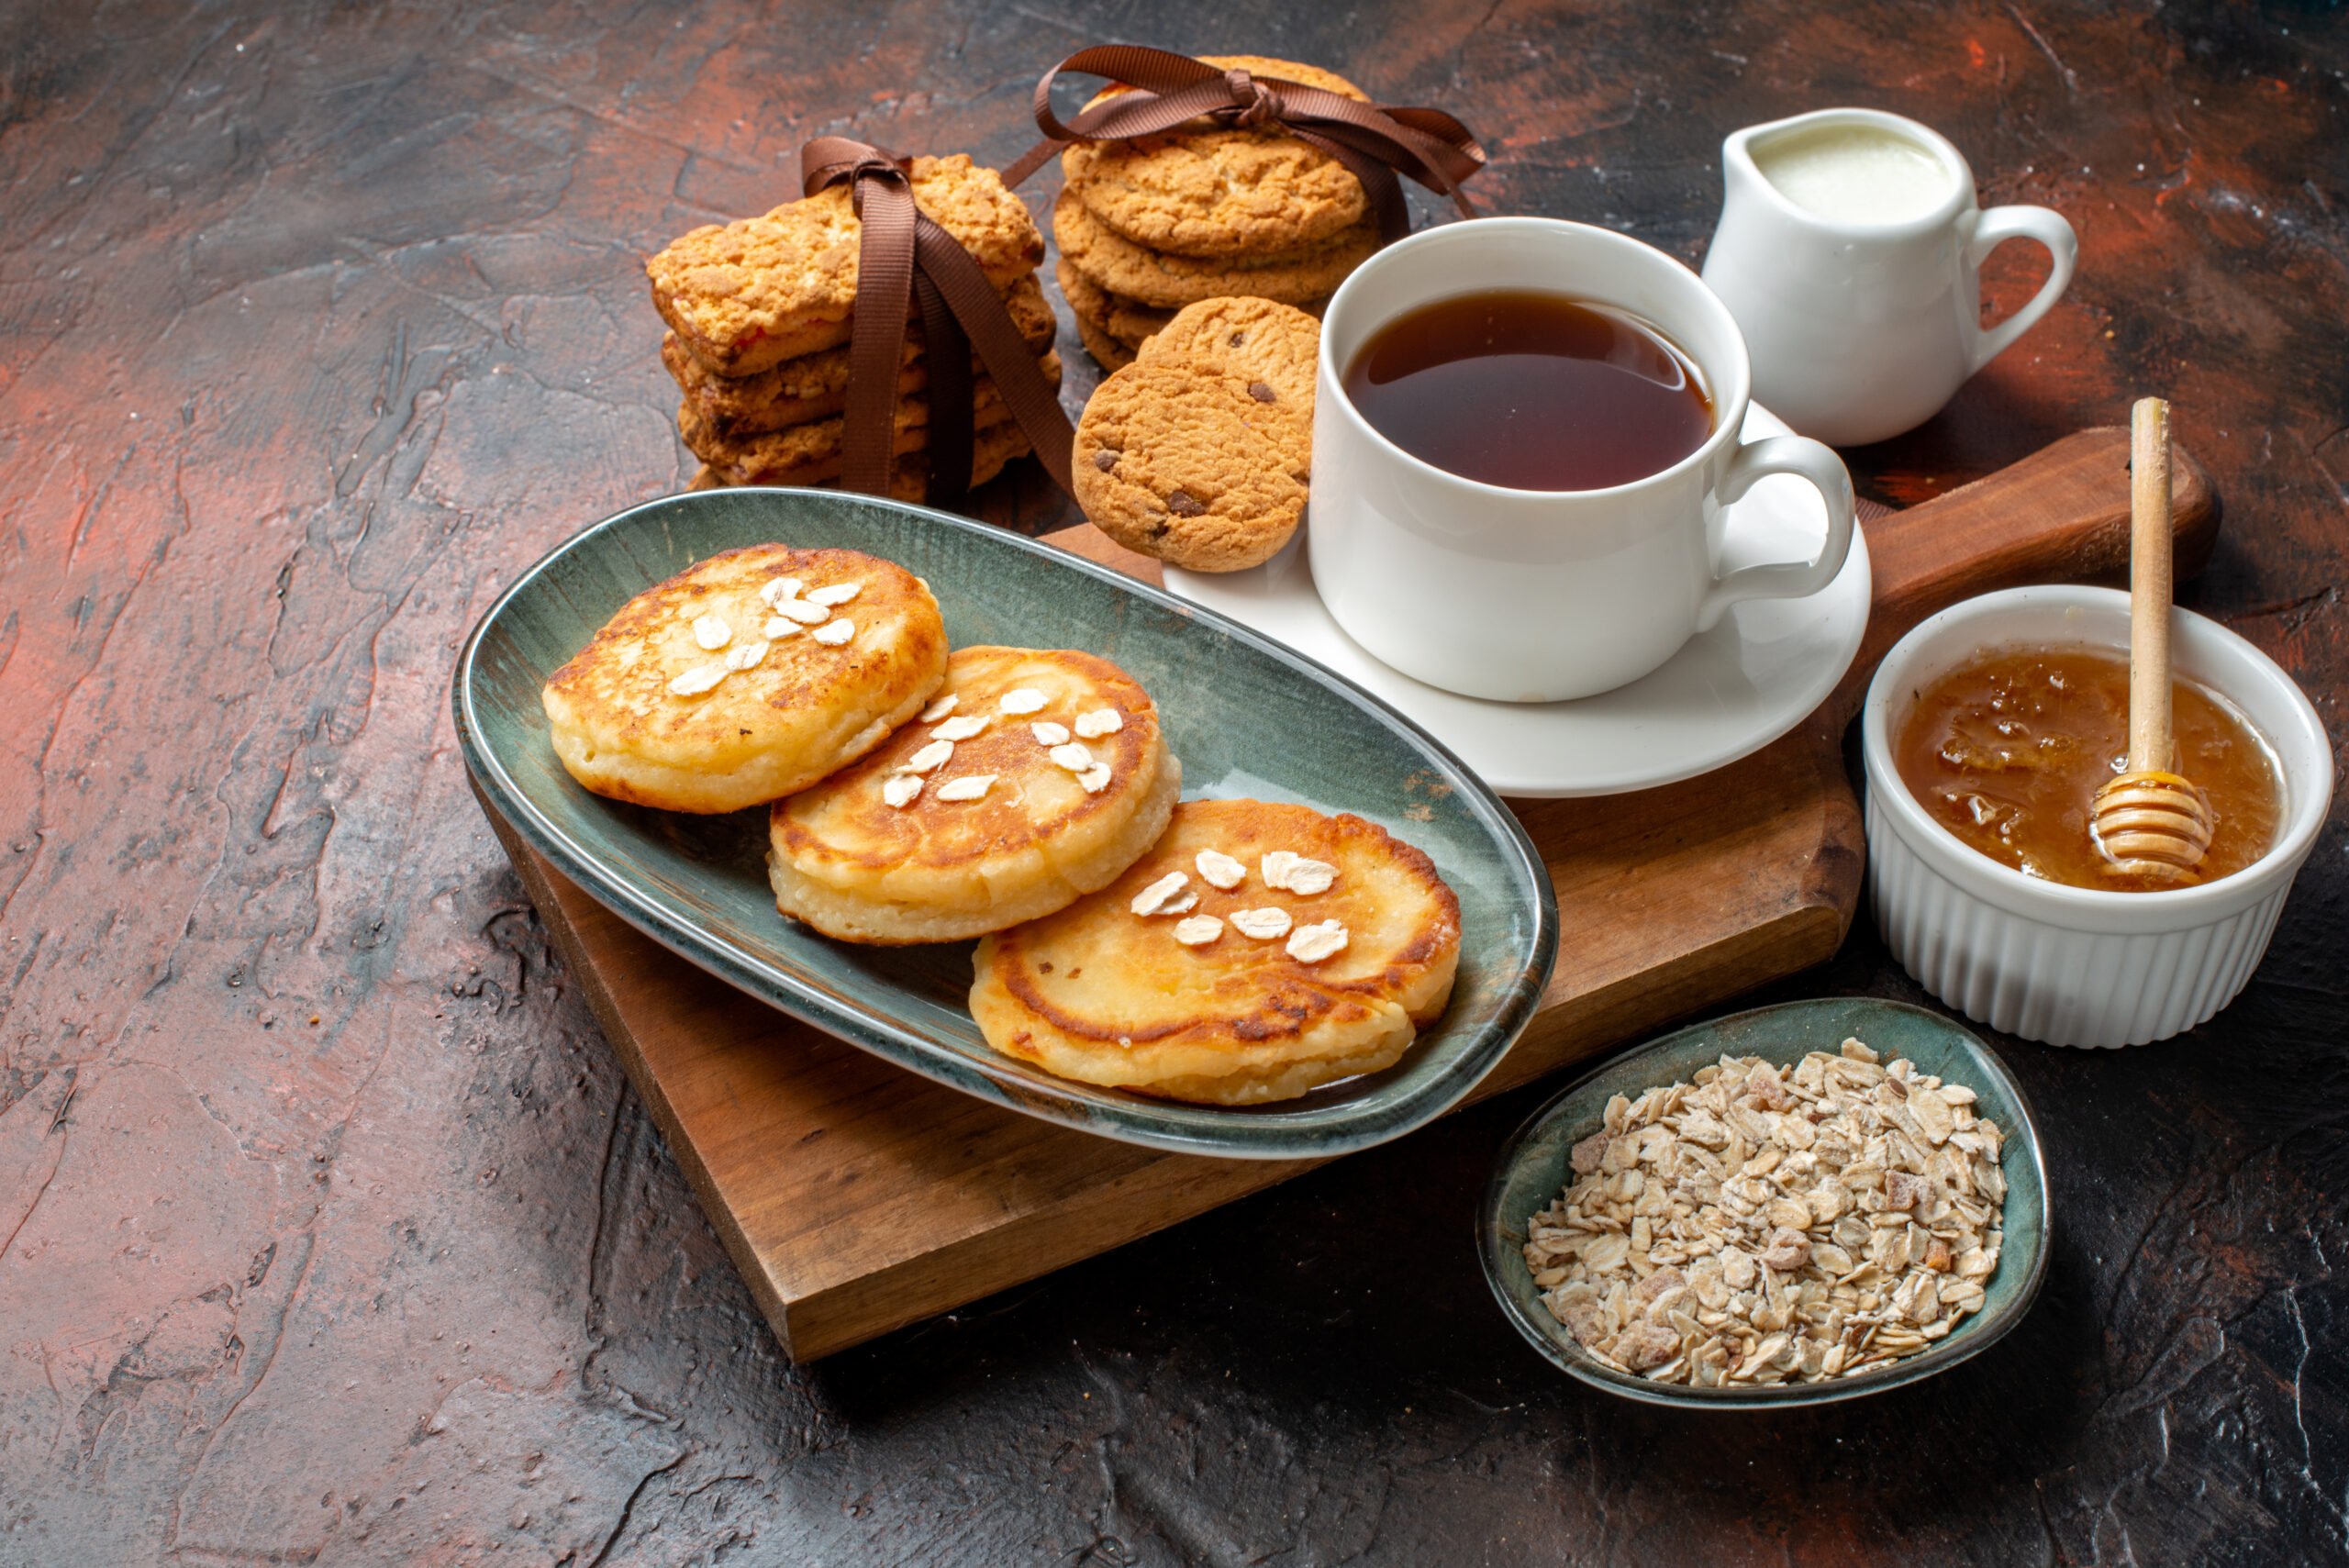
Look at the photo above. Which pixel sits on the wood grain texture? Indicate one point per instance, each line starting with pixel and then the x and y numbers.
pixel 319 322
pixel 857 1199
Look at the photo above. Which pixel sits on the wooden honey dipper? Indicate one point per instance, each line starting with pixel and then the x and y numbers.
pixel 2149 821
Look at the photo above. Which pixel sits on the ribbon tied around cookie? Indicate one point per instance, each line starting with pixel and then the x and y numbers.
pixel 1375 142
pixel 906 261
pixel 1258 101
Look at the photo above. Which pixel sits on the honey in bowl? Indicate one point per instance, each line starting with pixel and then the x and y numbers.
pixel 2006 751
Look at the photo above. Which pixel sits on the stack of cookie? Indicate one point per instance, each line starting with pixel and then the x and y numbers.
pixel 1149 225
pixel 760 314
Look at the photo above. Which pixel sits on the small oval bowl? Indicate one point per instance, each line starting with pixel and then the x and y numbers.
pixel 1531 1170
pixel 2079 966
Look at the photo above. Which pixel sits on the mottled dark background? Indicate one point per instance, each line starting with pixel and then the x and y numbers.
pixel 329 1229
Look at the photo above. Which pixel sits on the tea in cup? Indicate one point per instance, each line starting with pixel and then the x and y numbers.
pixel 1850 251
pixel 1531 390
pixel 1525 435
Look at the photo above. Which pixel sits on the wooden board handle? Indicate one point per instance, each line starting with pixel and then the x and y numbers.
pixel 2060 514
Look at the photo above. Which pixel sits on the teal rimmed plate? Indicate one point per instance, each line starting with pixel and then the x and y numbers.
pixel 1248 717
pixel 1531 1170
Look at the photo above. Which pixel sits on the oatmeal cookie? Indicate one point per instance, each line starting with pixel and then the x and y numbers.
pixel 1206 191
pixel 815 386
pixel 810 453
pixel 991 446
pixel 1153 277
pixel 745 296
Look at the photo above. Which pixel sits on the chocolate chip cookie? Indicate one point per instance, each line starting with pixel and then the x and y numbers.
pixel 1200 453
pixel 1269 348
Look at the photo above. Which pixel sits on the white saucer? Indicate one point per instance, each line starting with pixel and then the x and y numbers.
pixel 1729 692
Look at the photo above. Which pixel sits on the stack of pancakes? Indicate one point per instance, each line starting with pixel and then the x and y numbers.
pixel 760 314
pixel 1149 225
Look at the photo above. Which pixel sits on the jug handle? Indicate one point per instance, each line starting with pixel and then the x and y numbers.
pixel 1995 228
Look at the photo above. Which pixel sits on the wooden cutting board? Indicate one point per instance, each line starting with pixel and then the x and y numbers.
pixel 856 1197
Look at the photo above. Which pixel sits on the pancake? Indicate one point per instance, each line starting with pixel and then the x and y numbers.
pixel 703 695
pixel 909 846
pixel 1165 1004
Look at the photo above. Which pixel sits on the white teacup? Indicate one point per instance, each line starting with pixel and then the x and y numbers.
pixel 1536 595
pixel 1849 250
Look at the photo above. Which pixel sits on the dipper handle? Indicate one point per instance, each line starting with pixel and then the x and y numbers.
pixel 2150 821
pixel 2152 748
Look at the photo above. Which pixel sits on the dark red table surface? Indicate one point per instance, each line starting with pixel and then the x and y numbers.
pixel 330 1230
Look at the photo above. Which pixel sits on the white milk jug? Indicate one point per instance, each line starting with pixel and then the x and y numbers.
pixel 1850 251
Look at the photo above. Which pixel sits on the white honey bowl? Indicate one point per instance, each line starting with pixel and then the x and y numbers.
pixel 2075 965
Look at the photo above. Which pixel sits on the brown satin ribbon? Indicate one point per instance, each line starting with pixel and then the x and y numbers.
pixel 906 262
pixel 1373 141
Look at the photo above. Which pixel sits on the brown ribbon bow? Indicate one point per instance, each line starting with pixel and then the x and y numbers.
pixel 1373 141
pixel 904 259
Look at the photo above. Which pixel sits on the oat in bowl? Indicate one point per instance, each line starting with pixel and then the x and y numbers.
pixel 1748 1212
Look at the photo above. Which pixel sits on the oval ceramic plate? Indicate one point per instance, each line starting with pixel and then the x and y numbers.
pixel 1533 1167
pixel 1728 693
pixel 1248 717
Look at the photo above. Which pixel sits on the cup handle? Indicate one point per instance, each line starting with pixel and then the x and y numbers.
pixel 1997 227
pixel 1816 462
